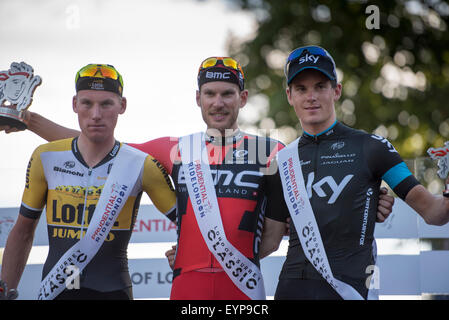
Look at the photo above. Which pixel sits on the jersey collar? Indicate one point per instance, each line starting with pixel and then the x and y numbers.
pixel 323 135
pixel 219 140
pixel 108 157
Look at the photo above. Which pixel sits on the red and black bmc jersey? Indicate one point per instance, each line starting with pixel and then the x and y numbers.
pixel 239 167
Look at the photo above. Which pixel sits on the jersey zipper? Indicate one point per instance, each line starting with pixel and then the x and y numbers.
pixel 217 165
pixel 89 182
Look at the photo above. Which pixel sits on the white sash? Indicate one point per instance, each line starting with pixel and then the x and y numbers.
pixel 301 212
pixel 119 184
pixel 244 273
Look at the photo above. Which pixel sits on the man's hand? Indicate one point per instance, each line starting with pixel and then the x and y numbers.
pixel 6 294
pixel 446 190
pixel 170 254
pixel 385 205
pixel 8 129
pixel 287 227
pixel 26 119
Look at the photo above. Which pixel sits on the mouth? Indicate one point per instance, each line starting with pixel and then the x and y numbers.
pixel 96 126
pixel 218 116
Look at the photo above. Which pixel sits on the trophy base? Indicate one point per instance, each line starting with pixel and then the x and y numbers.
pixel 11 118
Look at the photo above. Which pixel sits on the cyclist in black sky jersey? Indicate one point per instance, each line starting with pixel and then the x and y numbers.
pixel 342 169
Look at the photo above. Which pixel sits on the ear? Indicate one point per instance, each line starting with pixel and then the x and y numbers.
pixel 198 98
pixel 337 91
pixel 289 97
pixel 74 104
pixel 123 105
pixel 243 98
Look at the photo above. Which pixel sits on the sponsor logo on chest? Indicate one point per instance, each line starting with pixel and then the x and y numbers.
pixel 244 178
pixel 331 185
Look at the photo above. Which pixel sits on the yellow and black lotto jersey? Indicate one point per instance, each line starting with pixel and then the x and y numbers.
pixel 57 177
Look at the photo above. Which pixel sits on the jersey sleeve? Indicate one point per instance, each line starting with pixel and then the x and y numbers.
pixel 35 191
pixel 276 208
pixel 163 149
pixel 157 184
pixel 387 164
pixel 271 163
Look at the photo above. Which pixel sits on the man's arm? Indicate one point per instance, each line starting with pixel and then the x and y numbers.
pixel 157 184
pixel 386 162
pixel 43 127
pixel 49 130
pixel 434 209
pixel 17 250
pixel 272 234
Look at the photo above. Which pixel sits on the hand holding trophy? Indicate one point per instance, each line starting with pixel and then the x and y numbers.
pixel 17 86
pixel 442 155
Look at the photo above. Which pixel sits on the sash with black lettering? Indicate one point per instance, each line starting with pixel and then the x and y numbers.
pixel 243 272
pixel 302 215
pixel 119 184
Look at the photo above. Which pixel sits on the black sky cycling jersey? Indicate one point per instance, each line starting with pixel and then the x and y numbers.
pixel 343 169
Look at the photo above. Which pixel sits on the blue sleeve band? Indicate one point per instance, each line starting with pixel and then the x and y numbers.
pixel 396 174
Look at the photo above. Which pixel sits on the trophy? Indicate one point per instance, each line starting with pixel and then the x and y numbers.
pixel 442 155
pixel 17 86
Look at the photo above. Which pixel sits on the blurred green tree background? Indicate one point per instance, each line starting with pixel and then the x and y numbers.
pixel 395 77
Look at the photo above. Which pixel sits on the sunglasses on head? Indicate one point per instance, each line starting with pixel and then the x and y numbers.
pixel 225 61
pixel 105 71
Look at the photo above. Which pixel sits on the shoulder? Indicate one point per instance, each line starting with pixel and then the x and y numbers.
pixel 49 149
pixel 372 141
pixel 263 139
pixel 153 163
pixel 163 149
pixel 54 146
pixel 349 132
pixel 267 148
pixel 154 169
pixel 156 145
pixel 156 179
pixel 377 142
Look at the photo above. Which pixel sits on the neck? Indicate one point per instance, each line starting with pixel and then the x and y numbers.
pixel 318 130
pixel 94 151
pixel 213 132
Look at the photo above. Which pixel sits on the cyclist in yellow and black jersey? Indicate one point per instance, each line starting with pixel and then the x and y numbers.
pixel 67 178
pixel 58 178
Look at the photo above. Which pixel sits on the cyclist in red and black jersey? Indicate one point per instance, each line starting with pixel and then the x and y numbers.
pixel 241 189
pixel 237 162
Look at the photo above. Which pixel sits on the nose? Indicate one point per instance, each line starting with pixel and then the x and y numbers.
pixel 311 95
pixel 96 112
pixel 218 101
